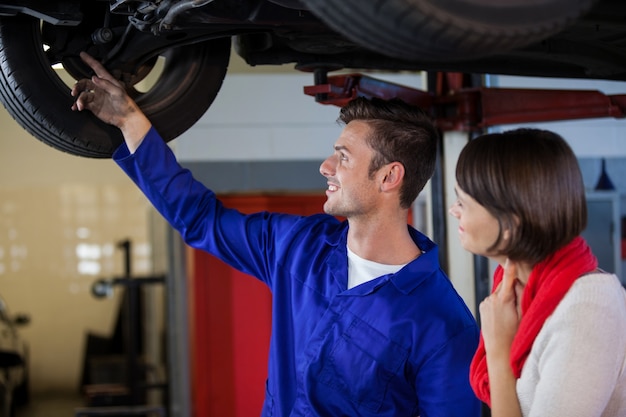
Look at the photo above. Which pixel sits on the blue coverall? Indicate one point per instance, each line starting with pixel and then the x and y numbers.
pixel 399 345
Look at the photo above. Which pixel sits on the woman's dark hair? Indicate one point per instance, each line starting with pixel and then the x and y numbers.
pixel 530 181
pixel 401 133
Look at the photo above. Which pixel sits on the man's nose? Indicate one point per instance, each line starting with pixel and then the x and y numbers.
pixel 326 167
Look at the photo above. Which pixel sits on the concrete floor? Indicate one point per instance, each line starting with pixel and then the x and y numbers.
pixel 64 405
pixel 51 405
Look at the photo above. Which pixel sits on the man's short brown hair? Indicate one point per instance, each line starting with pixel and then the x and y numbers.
pixel 401 133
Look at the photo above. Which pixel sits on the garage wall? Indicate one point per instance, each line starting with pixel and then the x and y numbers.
pixel 267 117
pixel 60 219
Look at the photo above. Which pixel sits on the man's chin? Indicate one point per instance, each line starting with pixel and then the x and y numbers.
pixel 329 209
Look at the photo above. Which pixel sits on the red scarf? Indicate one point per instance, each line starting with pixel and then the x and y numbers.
pixel 547 284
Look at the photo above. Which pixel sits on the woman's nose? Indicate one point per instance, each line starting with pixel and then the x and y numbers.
pixel 453 211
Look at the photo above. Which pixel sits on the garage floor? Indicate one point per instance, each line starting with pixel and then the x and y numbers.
pixel 51 405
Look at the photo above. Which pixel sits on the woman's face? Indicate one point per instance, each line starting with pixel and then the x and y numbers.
pixel 478 229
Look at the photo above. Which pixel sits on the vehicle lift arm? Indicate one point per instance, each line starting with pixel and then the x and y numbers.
pixel 473 109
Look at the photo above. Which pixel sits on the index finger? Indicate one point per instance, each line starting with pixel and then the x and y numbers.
pixel 509 278
pixel 97 67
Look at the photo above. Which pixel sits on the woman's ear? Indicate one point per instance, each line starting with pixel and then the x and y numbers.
pixel 506 233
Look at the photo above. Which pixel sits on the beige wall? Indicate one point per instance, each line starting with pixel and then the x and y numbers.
pixel 60 219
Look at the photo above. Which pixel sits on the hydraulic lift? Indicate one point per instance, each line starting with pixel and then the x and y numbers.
pixel 456 106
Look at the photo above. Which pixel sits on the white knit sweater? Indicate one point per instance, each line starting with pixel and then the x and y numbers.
pixel 577 364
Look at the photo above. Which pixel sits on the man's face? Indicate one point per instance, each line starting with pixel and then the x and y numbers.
pixel 351 192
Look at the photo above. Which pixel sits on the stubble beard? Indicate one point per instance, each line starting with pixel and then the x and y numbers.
pixel 340 209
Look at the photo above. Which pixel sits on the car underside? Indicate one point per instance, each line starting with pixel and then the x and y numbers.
pixel 193 40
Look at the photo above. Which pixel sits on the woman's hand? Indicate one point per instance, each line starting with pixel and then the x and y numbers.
pixel 500 314
pixel 107 99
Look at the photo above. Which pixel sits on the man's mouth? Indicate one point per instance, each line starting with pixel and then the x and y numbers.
pixel 332 187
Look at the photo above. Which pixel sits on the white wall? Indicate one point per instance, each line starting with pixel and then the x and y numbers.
pixel 267 117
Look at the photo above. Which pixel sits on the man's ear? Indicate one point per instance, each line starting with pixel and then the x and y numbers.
pixel 393 174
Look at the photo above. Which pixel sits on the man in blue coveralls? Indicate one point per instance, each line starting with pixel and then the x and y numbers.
pixel 364 321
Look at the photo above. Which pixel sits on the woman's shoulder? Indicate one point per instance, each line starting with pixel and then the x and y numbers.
pixel 599 286
pixel 599 278
pixel 593 298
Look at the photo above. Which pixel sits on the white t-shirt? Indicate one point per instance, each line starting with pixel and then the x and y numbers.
pixel 361 270
pixel 577 364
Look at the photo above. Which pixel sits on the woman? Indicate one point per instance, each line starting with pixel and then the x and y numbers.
pixel 554 328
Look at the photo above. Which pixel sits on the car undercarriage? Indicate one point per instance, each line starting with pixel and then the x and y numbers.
pixel 191 40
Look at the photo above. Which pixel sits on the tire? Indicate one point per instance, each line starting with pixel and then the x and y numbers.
pixel 40 101
pixel 447 30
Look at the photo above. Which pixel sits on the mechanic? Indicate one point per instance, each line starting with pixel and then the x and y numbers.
pixel 364 321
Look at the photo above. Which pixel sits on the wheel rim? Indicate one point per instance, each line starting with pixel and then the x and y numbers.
pixel 189 79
